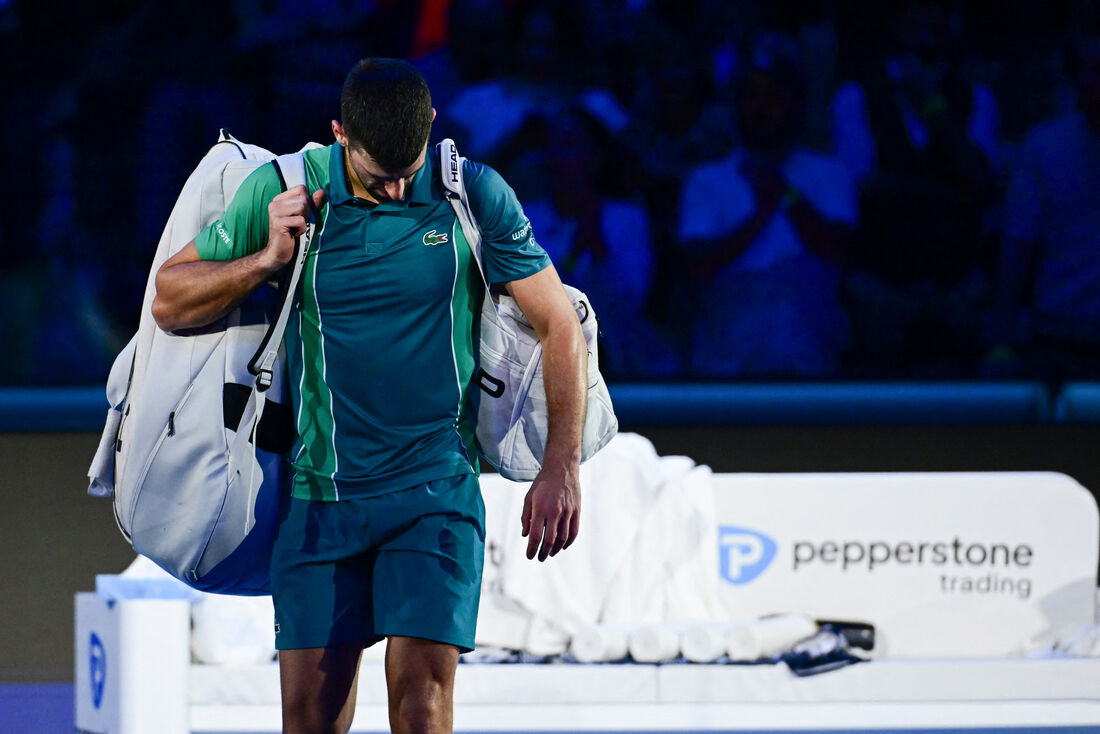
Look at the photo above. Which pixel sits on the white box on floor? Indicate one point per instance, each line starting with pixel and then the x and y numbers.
pixel 132 664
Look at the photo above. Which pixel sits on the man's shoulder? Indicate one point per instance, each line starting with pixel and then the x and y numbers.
pixel 481 176
pixel 262 181
pixel 317 161
pixel 265 182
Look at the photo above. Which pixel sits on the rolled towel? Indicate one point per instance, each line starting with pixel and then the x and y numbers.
pixel 768 636
pixel 232 630
pixel 705 642
pixel 656 643
pixel 601 643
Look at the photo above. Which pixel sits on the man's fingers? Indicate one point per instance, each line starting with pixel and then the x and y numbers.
pixel 549 538
pixel 574 527
pixel 525 517
pixel 299 190
pixel 297 200
pixel 293 225
pixel 533 539
pixel 562 535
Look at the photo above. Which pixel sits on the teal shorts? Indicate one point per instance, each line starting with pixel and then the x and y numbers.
pixel 355 571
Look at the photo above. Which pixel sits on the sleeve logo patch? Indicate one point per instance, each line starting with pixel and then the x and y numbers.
pixel 521 233
pixel 223 234
pixel 432 238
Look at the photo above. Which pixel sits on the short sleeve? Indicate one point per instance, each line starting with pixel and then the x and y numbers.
pixel 242 229
pixel 509 249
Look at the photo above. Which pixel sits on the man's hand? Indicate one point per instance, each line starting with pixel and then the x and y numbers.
pixel 192 292
pixel 552 508
pixel 552 512
pixel 287 215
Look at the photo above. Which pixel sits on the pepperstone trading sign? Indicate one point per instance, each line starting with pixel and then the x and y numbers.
pixel 944 565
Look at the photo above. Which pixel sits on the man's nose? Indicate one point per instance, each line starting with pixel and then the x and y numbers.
pixel 395 189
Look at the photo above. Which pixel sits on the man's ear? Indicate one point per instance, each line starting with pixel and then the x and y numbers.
pixel 340 135
pixel 433 115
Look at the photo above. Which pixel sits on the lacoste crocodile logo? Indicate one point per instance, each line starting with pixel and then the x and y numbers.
pixel 431 238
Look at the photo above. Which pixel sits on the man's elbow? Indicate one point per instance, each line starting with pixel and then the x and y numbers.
pixel 164 315
pixel 565 330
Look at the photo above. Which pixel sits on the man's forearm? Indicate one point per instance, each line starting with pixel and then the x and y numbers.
pixel 565 374
pixel 196 293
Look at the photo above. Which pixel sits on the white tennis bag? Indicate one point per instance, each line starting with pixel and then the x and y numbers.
pixel 191 452
pixel 512 414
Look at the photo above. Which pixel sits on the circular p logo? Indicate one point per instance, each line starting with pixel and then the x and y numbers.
pixel 97 660
pixel 743 554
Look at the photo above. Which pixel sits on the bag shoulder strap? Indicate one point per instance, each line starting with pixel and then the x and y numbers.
pixel 292 172
pixel 454 188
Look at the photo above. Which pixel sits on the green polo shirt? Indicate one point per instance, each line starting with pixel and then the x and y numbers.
pixel 381 346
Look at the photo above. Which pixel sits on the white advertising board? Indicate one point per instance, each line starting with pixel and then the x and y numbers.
pixel 132 662
pixel 944 565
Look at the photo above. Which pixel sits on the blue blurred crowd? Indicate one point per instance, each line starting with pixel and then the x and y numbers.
pixel 792 189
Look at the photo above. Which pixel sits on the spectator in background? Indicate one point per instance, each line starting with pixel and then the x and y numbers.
pixel 919 138
pixel 1049 272
pixel 602 244
pixel 679 119
pixel 505 120
pixel 762 232
pixel 297 52
pixel 465 51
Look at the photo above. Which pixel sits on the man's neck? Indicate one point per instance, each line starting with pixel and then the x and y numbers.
pixel 356 186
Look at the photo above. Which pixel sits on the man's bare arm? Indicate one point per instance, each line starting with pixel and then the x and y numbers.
pixel 194 292
pixel 551 510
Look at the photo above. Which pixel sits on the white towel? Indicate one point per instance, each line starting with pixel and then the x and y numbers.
pixel 691 587
pixel 705 642
pixel 671 572
pixel 568 591
pixel 601 643
pixel 656 643
pixel 232 630
pixel 768 636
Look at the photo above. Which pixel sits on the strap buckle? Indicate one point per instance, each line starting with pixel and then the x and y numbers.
pixel 264 378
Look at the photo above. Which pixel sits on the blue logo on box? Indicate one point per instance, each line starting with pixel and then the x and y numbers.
pixel 743 554
pixel 98 663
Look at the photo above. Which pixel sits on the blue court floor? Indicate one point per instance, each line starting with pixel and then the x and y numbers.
pixel 47 708
pixel 36 707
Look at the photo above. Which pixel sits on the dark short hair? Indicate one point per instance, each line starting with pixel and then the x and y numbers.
pixel 387 110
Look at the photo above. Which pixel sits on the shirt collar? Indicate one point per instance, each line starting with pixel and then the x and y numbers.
pixel 337 182
pixel 419 193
